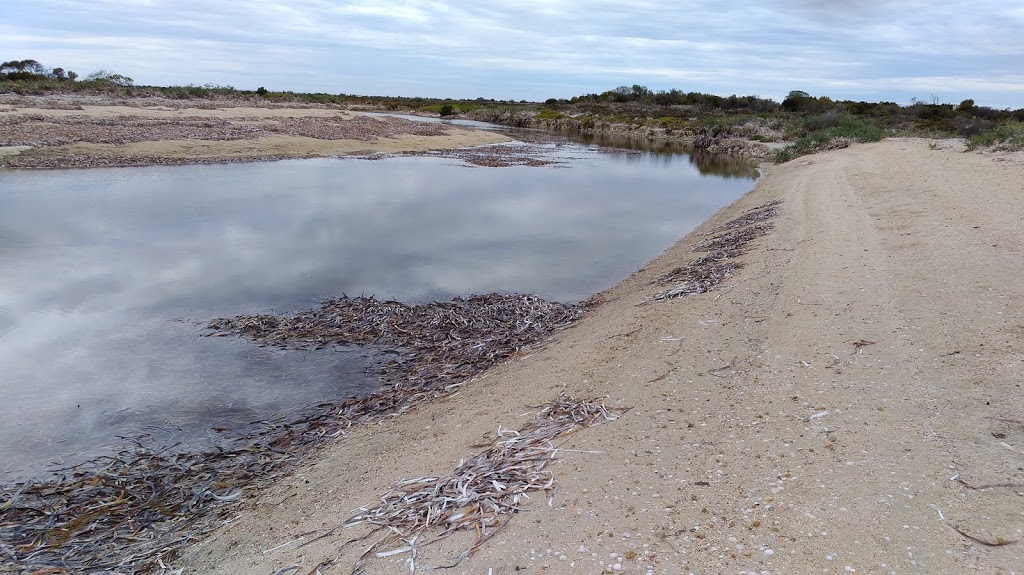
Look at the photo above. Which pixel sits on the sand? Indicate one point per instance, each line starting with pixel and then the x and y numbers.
pixel 849 401
pixel 68 132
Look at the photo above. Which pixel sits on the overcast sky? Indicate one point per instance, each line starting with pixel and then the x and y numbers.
pixel 536 49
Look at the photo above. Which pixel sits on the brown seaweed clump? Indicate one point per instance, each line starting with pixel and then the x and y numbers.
pixel 726 242
pixel 439 345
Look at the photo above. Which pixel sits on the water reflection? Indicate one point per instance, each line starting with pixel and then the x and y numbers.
pixel 624 145
pixel 106 272
pixel 707 163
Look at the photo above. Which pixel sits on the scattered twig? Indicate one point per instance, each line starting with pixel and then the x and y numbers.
pixel 999 541
pixel 714 372
pixel 990 485
pixel 862 343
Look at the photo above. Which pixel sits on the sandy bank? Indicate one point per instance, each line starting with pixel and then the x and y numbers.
pixel 68 133
pixel 849 401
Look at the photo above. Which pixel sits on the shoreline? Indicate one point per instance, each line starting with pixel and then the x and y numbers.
pixel 798 418
pixel 49 133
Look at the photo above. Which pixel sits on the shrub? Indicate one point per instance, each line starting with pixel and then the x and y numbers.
pixel 1008 136
pixel 447 110
pixel 549 115
pixel 830 133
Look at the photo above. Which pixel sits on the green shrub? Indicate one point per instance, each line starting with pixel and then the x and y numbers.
pixel 548 115
pixel 447 110
pixel 829 132
pixel 1008 136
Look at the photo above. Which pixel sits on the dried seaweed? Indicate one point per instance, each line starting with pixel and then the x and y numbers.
pixel 135 510
pixel 439 345
pixel 734 241
pixel 481 494
pixel 727 242
pixel 761 213
pixel 490 156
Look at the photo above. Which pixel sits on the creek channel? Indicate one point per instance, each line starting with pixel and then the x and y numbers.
pixel 108 276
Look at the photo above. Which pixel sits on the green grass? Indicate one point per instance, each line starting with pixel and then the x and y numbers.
pixel 548 115
pixel 1008 136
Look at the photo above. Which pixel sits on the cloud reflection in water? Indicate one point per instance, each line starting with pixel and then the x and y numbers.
pixel 97 265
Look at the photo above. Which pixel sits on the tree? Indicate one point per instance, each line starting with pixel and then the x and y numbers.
pixel 797 100
pixel 22 70
pixel 967 106
pixel 112 77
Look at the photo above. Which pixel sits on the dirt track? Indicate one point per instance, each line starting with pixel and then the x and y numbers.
pixel 848 402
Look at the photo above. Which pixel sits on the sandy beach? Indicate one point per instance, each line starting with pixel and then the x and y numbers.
pixel 846 402
pixel 82 132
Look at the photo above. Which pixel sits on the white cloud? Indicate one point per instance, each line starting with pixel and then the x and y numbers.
pixel 535 48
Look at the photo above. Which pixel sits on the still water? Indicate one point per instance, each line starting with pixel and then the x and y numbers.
pixel 107 275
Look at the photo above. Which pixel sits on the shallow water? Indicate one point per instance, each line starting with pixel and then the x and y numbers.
pixel 106 275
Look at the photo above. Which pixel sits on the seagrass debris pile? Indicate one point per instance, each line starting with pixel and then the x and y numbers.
pixel 130 511
pixel 490 156
pixel 726 242
pixel 39 130
pixel 439 346
pixel 143 100
pixel 135 510
pixel 481 495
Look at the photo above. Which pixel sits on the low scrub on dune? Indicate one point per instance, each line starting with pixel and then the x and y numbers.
pixel 1008 137
pixel 828 131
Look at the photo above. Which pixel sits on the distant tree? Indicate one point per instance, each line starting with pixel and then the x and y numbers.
pixel 22 70
pixel 261 91
pixel 797 101
pixel 967 106
pixel 640 92
pixel 112 77
pixel 447 110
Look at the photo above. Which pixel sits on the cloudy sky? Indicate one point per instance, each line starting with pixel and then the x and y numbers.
pixel 537 49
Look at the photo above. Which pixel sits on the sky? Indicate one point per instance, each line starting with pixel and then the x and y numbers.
pixel 874 50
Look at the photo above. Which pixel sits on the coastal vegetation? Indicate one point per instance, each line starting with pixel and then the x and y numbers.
pixel 798 125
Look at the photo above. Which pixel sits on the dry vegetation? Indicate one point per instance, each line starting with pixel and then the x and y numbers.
pixel 135 509
pixel 726 243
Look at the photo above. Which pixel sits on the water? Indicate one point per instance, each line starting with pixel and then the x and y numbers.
pixel 106 275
